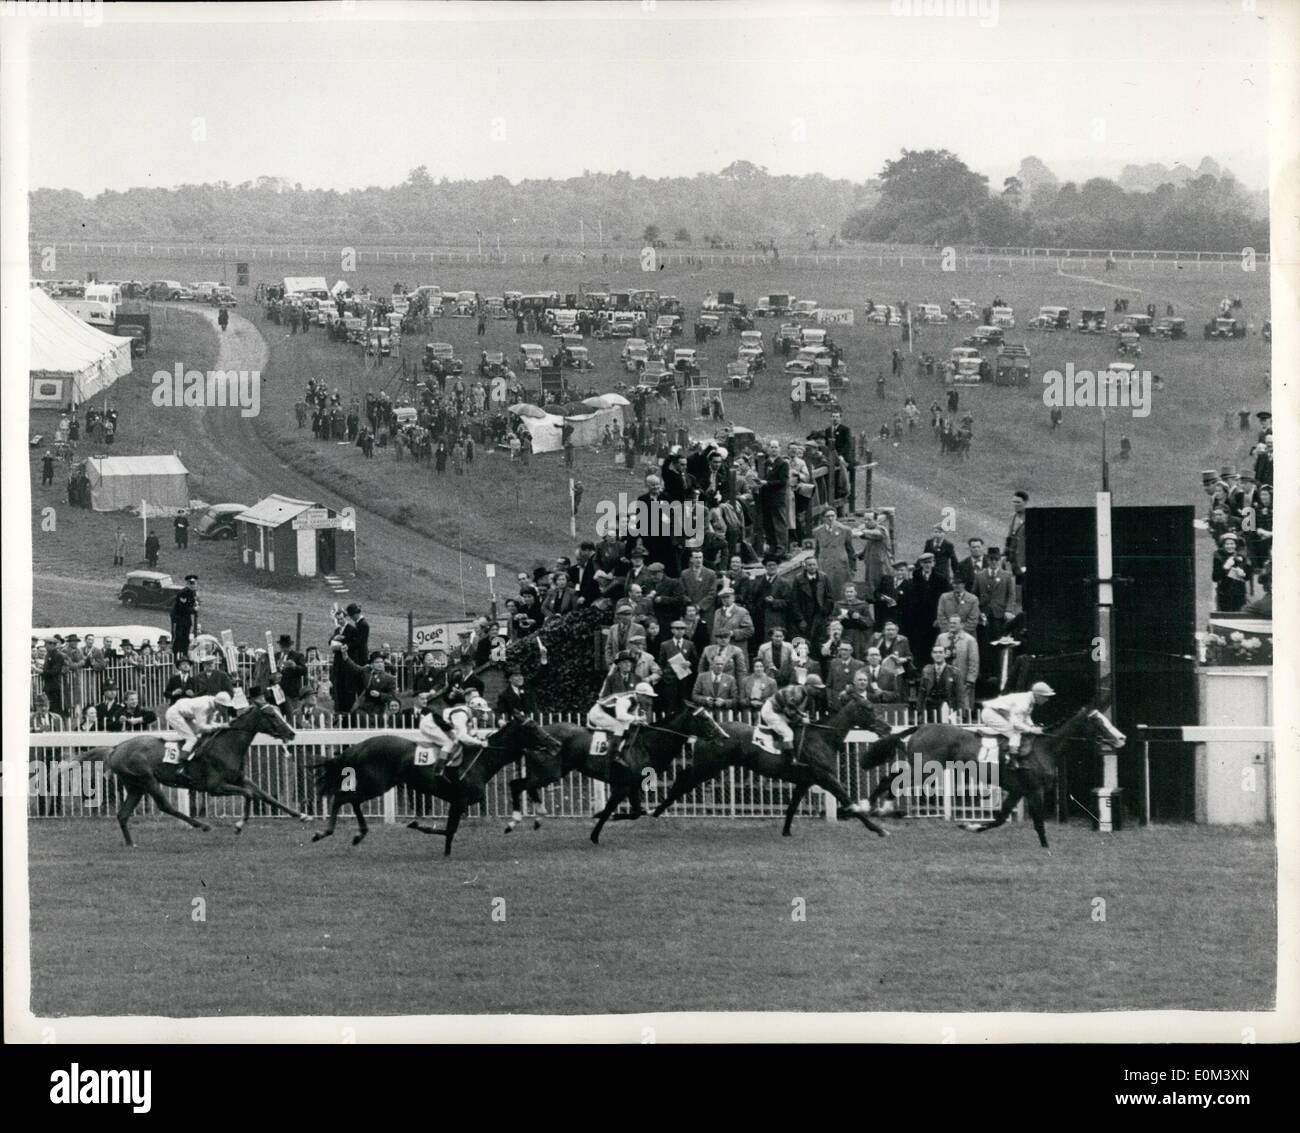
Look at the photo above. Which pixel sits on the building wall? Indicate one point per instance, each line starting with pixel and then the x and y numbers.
pixel 1234 779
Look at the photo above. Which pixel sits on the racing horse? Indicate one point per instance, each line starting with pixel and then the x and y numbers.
pixel 1030 777
pixel 817 748
pixel 650 746
pixel 215 768
pixel 367 769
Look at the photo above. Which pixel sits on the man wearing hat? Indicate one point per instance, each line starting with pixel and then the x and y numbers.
pixel 714 688
pixel 723 657
pixel 197 716
pixel 623 703
pixel 1230 573
pixel 52 671
pixel 768 597
pixel 810 602
pixel 515 699
pixel 459 719
pixel 919 605
pixel 734 617
pixel 945 554
pixel 677 658
pixel 356 635
pixel 110 709
pixel 212 678
pixel 184 615
pixel 1011 715
pixel 181 685
pixel 292 667
pixel 1015 544
pixel 623 631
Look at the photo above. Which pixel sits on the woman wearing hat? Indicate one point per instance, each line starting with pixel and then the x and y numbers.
pixel 1230 573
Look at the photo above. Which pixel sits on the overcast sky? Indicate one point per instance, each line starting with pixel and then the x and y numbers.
pixel 347 95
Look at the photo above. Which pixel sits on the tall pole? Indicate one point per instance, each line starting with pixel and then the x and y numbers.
pixel 582 232
pixel 1104 646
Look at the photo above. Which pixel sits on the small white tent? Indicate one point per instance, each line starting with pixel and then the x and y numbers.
pixel 71 361
pixel 543 427
pixel 119 482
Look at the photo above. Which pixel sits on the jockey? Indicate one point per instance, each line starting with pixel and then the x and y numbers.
pixel 1010 716
pixel 197 716
pixel 618 712
pixel 459 718
pixel 783 709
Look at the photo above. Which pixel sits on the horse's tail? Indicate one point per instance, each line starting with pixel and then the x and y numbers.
pixel 327 774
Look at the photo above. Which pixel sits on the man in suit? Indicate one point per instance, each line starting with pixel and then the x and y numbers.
pixel 886 601
pixel 975 564
pixel 110 710
pixel 920 605
pixel 181 685
pixel 356 636
pixel 651 523
pixel 292 667
pixel 667 598
pixel 714 688
pixel 701 585
pixel 515 699
pixel 185 614
pixel 730 615
pixel 1015 542
pixel 841 669
pixel 839 437
pixel 810 603
pixel 582 575
pixel 945 555
pixel 772 502
pixel 961 604
pixel 644 666
pixel 636 574
pixel 776 652
pixel 996 590
pixel 939 683
pixel 964 653
pixel 134 717
pixel 722 656
pixel 678 677
pixel 883 677
pixel 623 631
pixel 768 598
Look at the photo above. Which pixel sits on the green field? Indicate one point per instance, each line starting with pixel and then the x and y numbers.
pixel 665 915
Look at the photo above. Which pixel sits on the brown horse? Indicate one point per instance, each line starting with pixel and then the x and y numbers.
pixel 817 765
pixel 367 769
pixel 1030 777
pixel 653 746
pixel 216 768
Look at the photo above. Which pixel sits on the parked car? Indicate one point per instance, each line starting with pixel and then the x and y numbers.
pixel 882 314
pixel 1226 328
pixel 1004 317
pixel 670 325
pixel 148 588
pixel 1171 328
pixel 930 313
pixel 985 336
pixel 1013 365
pixel 1130 344
pixel 1092 320
pixel 441 356
pixel 218 522
pixel 1051 318
pixel 531 356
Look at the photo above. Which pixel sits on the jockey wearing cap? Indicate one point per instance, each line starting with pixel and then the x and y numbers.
pixel 619 711
pixel 197 716
pixel 460 718
pixel 781 711
pixel 1011 715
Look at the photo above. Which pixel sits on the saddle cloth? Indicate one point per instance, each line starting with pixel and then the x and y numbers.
pixel 766 740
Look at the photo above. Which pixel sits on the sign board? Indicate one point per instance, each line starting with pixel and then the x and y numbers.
pixel 348 519
pixel 430 638
pixel 228 647
pixel 839 318
pixel 319 519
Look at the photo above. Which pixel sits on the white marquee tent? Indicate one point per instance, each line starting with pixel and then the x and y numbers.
pixel 71 361
pixel 120 482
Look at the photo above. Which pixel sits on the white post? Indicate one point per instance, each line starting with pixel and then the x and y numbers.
pixel 831 812
pixel 390 806
pixel 144 520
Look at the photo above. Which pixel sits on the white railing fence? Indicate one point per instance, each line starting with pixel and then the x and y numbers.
pixel 59 787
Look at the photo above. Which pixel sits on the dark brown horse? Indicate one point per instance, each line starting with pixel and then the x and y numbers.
pixel 817 744
pixel 1031 776
pixel 649 746
pixel 216 768
pixel 366 770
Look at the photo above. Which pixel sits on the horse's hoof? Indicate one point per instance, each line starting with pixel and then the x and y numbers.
pixel 357 839
pixel 318 837
pixel 537 823
pixel 239 827
pixel 413 825
pixel 205 827
pixel 883 832
pixel 305 817
pixel 510 828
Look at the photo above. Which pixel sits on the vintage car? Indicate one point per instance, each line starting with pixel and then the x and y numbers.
pixel 1051 318
pixel 882 314
pixel 1004 317
pixel 985 336
pixel 815 390
pixel 405 415
pixel 1118 373
pixel 710 324
pixel 669 326
pixel 963 310
pixel 1142 324
pixel 1171 328
pixel 1130 344
pixel 788 332
pixel 492 364
pixel 577 358
pixel 138 335
pixel 149 588
pixel 804 309
pixel 1225 328
pixel 623 325
pixel 635 354
pixel 1012 365
pixel 658 380
pixel 930 313
pixel 773 306
pixel 740 375
pixel 441 357
pixel 670 305
pixel 532 355
pixel 807 358
pixel 1092 320
pixel 379 341
pixel 686 359
pixel 218 521
pixel 812 336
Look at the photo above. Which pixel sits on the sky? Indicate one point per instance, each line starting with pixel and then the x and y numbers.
pixel 345 95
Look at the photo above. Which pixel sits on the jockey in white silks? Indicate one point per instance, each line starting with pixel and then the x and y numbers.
pixel 781 711
pixel 1011 715
pixel 460 719
pixel 197 716
pixel 618 712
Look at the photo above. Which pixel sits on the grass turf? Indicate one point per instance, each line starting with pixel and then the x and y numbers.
pixel 665 915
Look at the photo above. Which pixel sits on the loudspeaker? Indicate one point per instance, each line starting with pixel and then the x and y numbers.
pixel 1153 560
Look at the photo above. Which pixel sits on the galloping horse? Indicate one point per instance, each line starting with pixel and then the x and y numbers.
pixel 817 744
pixel 216 768
pixel 1030 779
pixel 367 769
pixel 651 745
